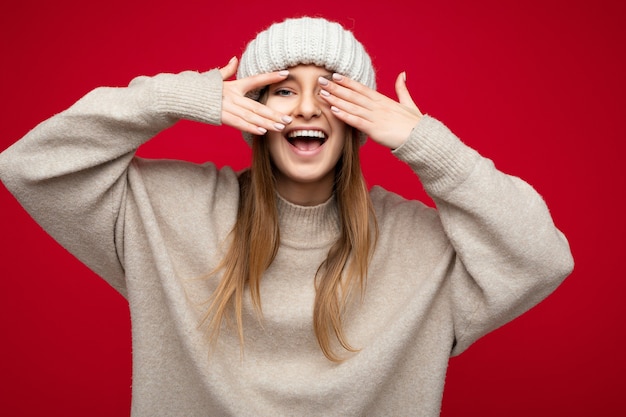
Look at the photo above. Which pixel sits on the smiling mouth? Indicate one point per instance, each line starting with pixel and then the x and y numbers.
pixel 306 140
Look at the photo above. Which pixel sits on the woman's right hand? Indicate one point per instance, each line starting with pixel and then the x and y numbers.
pixel 243 113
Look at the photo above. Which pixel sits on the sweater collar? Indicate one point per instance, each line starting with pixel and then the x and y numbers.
pixel 308 226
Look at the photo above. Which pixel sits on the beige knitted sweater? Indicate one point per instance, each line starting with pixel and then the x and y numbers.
pixel 439 279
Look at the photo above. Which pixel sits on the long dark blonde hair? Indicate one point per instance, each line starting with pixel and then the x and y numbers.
pixel 256 238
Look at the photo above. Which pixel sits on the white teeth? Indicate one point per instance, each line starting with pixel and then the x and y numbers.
pixel 307 133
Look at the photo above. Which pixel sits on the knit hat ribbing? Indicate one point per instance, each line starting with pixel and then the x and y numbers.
pixel 306 40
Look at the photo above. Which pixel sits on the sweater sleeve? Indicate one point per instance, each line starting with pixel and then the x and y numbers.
pixel 70 172
pixel 509 254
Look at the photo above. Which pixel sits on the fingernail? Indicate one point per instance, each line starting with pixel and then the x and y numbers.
pixel 335 109
pixel 325 93
pixel 232 59
pixel 283 73
pixel 323 81
pixel 404 76
pixel 262 130
pixel 337 77
pixel 286 119
pixel 279 126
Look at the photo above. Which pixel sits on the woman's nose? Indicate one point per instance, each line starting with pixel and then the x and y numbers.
pixel 308 106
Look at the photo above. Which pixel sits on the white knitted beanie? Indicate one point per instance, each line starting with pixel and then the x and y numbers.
pixel 306 40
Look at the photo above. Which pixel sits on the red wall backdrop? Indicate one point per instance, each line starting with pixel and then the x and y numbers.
pixel 538 86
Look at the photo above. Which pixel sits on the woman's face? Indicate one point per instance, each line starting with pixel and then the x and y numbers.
pixel 306 152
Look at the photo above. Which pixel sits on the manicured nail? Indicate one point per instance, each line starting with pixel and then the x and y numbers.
pixel 262 130
pixel 404 76
pixel 286 119
pixel 323 81
pixel 279 126
pixel 325 93
pixel 283 73
pixel 337 77
pixel 335 109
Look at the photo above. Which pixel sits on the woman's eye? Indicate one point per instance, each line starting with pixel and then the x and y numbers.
pixel 283 92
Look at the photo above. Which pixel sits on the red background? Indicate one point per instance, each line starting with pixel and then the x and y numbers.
pixel 538 86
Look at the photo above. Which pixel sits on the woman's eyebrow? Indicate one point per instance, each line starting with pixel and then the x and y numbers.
pixel 290 77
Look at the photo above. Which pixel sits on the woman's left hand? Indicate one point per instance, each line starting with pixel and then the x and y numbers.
pixel 383 119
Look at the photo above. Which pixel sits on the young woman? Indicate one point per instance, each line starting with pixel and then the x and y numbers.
pixel 288 289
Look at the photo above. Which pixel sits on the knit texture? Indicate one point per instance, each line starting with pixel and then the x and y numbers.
pixel 306 40
pixel 438 280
